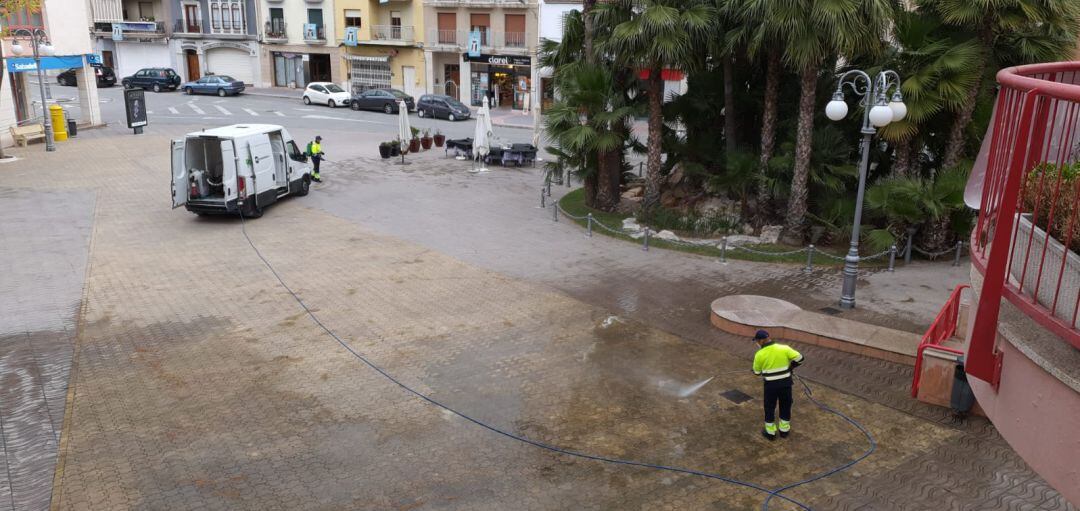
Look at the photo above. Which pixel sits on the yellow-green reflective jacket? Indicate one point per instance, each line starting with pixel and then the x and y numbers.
pixel 774 361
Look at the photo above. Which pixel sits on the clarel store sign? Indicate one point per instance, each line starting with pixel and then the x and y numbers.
pixel 498 60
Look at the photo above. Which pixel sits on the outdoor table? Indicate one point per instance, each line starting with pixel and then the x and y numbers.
pixel 461 146
pixel 516 153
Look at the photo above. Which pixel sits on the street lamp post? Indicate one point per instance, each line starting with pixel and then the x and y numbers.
pixel 876 114
pixel 39 41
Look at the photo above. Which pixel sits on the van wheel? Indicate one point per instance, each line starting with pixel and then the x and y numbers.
pixel 253 211
pixel 305 186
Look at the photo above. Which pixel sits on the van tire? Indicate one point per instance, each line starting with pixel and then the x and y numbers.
pixel 305 186
pixel 253 211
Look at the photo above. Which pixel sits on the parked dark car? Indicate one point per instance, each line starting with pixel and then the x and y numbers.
pixel 155 78
pixel 438 106
pixel 104 74
pixel 221 85
pixel 385 100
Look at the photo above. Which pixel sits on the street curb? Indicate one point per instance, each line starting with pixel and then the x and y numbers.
pixel 273 95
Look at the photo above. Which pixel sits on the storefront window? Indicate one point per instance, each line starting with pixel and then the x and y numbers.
pixel 479 87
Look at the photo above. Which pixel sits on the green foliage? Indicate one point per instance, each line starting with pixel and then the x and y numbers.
pixel 1051 189
pixel 688 223
pixel 900 202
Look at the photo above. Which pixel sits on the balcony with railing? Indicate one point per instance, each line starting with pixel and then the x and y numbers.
pixel 484 4
pixel 188 28
pixel 276 31
pixel 316 34
pixel 400 34
pixel 510 42
pixel 1024 340
pixel 132 29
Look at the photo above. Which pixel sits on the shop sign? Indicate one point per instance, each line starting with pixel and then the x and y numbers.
pixel 474 43
pixel 135 105
pixel 352 36
pixel 499 60
pixel 118 32
pixel 93 59
pixel 22 64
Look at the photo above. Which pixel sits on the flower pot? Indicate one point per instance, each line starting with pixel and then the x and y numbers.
pixel 384 151
pixel 1055 259
pixel 414 145
pixel 426 143
pixel 395 150
pixel 439 140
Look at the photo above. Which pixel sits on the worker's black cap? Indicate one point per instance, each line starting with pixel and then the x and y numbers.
pixel 318 137
pixel 761 334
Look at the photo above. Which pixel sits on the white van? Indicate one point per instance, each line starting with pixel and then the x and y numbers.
pixel 237 169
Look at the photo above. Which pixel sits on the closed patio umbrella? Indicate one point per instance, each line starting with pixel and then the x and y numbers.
pixel 404 130
pixel 482 136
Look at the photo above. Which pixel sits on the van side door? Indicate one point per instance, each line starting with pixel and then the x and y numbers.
pixel 261 160
pixel 180 184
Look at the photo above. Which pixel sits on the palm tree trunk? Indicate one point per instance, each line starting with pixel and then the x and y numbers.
pixel 607 193
pixel 796 211
pixel 587 18
pixel 902 163
pixel 589 183
pixel 653 179
pixel 729 105
pixel 954 145
pixel 768 131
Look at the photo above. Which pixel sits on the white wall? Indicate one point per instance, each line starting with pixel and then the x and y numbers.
pixel 67 22
pixel 551 16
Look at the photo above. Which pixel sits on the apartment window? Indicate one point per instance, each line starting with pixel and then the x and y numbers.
pixel 515 30
pixel 481 22
pixel 22 18
pixel 314 16
pixel 146 10
pixel 447 28
pixel 226 17
pixel 352 18
pixel 237 17
pixel 215 16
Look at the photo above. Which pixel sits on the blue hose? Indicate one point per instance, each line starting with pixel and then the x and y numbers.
pixel 765 505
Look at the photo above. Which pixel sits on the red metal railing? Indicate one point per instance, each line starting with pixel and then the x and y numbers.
pixel 941 330
pixel 1029 209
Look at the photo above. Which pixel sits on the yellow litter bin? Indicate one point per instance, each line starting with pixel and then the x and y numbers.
pixel 59 125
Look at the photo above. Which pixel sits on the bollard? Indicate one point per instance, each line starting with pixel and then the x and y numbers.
pixel 723 250
pixel 639 167
pixel 892 257
pixel 588 225
pixel 959 248
pixel 645 240
pixel 543 202
pixel 555 212
pixel 907 250
pixel 549 186
pixel 809 259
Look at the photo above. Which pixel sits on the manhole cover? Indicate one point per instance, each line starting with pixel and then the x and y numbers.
pixel 832 311
pixel 736 396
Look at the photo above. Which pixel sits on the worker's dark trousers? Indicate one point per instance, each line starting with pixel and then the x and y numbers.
pixel 779 390
pixel 315 160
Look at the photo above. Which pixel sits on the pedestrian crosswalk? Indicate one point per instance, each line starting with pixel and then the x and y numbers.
pixel 191 108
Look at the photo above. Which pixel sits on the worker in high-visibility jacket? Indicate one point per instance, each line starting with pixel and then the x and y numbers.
pixel 774 362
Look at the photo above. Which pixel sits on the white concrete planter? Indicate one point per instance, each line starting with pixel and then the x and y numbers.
pixel 1051 267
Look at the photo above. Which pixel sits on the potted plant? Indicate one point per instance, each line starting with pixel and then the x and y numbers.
pixel 439 138
pixel 395 147
pixel 425 140
pixel 414 142
pixel 384 149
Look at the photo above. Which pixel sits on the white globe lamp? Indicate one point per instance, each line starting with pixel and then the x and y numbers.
pixel 17 48
pixel 899 109
pixel 46 49
pixel 836 109
pixel 880 115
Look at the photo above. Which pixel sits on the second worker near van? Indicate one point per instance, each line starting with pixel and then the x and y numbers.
pixel 314 150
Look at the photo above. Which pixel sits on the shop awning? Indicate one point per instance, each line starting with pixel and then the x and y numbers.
pixel 21 64
pixel 363 58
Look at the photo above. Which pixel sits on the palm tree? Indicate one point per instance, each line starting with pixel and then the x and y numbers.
pixel 1008 32
pixel 814 31
pixel 655 35
pixel 585 125
pixel 939 65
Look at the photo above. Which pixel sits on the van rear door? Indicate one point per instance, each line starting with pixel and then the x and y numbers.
pixel 228 171
pixel 262 165
pixel 180 184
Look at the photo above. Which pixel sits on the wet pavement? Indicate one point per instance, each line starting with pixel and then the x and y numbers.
pixel 201 384
pixel 45 237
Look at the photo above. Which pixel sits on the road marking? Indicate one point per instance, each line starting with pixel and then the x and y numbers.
pixel 174 111
pixel 252 112
pixel 307 109
pixel 331 118
pixel 148 112
pixel 279 114
pixel 222 110
pixel 196 109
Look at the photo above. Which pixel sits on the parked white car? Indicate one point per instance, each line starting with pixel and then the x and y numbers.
pixel 326 93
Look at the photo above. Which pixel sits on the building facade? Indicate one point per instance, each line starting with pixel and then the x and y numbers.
pixel 502 37
pixel 388 47
pixel 551 16
pixel 300 43
pixel 194 37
